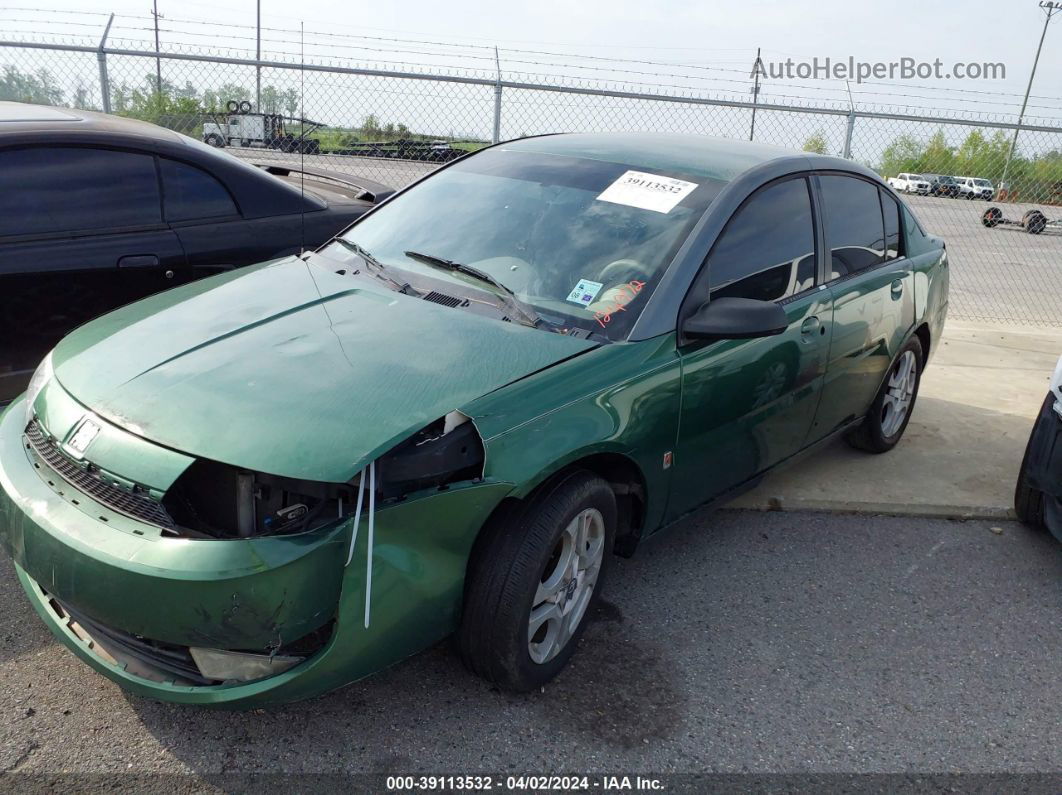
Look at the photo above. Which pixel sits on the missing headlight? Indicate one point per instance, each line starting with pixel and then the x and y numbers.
pixel 447 451
pixel 215 500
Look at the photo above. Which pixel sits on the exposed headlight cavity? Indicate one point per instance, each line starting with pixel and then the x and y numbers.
pixel 214 500
pixel 41 377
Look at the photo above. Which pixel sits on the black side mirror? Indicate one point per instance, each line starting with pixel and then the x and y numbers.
pixel 735 319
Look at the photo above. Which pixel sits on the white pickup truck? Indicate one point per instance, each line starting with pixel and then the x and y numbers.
pixel 909 183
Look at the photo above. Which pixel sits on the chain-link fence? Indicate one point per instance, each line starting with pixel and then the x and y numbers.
pixel 993 192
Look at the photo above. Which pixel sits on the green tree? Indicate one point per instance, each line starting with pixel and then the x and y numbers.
pixel 903 154
pixel 271 101
pixel 817 143
pixel 38 87
pixel 216 100
pixel 291 98
pixel 938 157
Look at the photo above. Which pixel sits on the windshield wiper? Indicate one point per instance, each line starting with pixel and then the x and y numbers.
pixel 373 264
pixel 510 298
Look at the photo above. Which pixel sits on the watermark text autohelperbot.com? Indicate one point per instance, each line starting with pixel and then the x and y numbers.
pixel 901 69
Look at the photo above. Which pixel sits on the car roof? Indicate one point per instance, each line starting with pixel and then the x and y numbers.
pixel 699 155
pixel 20 117
pixel 257 193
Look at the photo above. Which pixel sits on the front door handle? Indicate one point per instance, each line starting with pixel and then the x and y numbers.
pixel 139 261
pixel 897 288
pixel 811 327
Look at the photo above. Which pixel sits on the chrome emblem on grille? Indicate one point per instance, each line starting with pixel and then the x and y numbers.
pixel 86 432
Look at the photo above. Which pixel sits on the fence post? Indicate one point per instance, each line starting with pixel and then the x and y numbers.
pixel 496 137
pixel 101 56
pixel 848 135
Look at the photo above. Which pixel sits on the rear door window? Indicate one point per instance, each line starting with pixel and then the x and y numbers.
pixel 855 231
pixel 71 189
pixel 191 193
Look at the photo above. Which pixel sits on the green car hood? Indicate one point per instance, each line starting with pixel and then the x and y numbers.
pixel 291 369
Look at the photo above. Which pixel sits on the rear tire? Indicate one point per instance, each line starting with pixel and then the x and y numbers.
pixel 887 419
pixel 991 217
pixel 1029 502
pixel 534 579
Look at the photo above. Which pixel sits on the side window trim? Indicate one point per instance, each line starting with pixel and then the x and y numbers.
pixel 883 196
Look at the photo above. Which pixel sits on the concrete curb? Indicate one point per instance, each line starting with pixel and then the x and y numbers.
pixel 928 511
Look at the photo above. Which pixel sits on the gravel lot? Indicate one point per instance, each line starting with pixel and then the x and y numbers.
pixel 736 642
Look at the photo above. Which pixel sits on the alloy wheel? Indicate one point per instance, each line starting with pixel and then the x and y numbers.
pixel 566 586
pixel 899 393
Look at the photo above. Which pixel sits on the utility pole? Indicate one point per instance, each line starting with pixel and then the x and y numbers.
pixel 158 60
pixel 755 93
pixel 1050 9
pixel 258 58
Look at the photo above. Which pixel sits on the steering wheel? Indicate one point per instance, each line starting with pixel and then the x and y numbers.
pixel 621 270
pixel 615 276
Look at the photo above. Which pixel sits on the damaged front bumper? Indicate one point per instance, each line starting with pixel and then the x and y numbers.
pixel 106 591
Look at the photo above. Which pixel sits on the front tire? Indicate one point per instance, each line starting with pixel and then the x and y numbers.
pixel 887 419
pixel 532 581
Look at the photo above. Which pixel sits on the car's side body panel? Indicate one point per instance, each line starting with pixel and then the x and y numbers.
pixel 748 404
pixel 620 399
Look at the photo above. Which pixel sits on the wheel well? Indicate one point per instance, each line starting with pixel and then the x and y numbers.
pixel 628 484
pixel 622 475
pixel 922 332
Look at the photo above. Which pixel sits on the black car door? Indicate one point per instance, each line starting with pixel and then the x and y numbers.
pixel 208 221
pixel 81 232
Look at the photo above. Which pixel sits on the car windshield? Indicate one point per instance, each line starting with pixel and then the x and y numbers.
pixel 582 241
pixel 982 183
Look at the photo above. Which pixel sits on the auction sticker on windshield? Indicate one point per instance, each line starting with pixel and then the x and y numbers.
pixel 647 191
pixel 585 292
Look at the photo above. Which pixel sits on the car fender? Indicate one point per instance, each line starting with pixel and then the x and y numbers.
pixel 619 400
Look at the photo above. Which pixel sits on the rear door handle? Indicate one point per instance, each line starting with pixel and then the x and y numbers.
pixel 897 288
pixel 138 261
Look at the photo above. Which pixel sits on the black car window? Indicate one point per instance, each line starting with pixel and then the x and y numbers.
pixel 190 193
pixel 68 189
pixel 890 209
pixel 767 250
pixel 855 232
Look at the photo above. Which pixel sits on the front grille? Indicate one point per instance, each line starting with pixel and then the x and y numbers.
pixel 117 499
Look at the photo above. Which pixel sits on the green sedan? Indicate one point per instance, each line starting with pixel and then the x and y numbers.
pixel 267 484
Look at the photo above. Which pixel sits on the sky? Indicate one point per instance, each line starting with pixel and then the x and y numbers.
pixel 720 35
pixel 705 48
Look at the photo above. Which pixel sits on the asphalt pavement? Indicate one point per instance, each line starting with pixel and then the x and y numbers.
pixel 737 642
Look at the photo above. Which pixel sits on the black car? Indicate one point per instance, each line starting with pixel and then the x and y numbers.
pixel 1038 496
pixel 942 185
pixel 97 211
